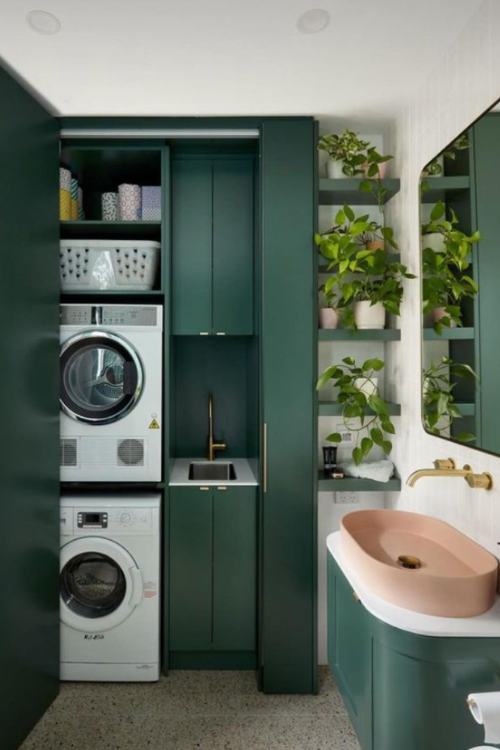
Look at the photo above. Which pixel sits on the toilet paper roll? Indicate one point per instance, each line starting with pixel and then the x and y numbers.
pixel 485 708
pixel 109 206
pixel 129 202
pixel 64 179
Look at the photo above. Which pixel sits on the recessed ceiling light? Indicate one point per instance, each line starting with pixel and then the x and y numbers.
pixel 313 21
pixel 43 22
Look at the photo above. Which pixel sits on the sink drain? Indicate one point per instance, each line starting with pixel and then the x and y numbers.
pixel 410 562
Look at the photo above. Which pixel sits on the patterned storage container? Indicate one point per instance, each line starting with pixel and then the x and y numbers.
pixel 129 202
pixel 108 264
pixel 151 203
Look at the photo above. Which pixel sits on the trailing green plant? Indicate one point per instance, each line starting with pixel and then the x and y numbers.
pixel 359 273
pixel 439 408
pixel 348 148
pixel 373 182
pixel 445 279
pixel 362 412
pixel 435 168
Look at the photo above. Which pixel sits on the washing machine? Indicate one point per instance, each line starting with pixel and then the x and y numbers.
pixel 111 393
pixel 110 587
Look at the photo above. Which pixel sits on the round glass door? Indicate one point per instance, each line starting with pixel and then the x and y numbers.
pixel 92 585
pixel 101 377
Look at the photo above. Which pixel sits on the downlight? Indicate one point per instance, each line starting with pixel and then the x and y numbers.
pixel 43 22
pixel 313 21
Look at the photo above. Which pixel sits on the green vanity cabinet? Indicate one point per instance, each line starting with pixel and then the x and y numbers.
pixel 404 690
pixel 213 246
pixel 212 576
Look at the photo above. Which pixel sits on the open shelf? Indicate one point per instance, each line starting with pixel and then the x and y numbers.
pixel 334 409
pixel 118 230
pixel 355 484
pixel 323 263
pixel 449 334
pixel 112 295
pixel 339 191
pixel 442 187
pixel 367 334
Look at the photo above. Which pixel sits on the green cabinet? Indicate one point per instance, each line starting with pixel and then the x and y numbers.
pixel 212 576
pixel 404 690
pixel 213 246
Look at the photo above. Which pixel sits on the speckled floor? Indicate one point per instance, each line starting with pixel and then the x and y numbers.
pixel 191 711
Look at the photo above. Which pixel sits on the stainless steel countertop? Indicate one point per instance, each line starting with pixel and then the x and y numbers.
pixel 246 473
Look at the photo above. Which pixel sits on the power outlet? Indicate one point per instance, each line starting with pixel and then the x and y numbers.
pixel 346 498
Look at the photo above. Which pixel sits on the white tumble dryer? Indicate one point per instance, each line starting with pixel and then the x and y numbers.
pixel 110 587
pixel 111 393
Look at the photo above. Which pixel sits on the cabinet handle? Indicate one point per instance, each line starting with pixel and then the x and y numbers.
pixel 264 457
pixel 355 597
pixel 220 333
pixel 222 488
pixel 203 333
pixel 204 489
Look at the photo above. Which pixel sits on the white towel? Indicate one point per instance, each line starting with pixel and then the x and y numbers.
pixel 380 471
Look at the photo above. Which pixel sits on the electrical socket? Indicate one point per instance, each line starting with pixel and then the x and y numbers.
pixel 346 498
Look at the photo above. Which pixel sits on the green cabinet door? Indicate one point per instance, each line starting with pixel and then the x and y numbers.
pixel 29 458
pixel 235 569
pixel 233 247
pixel 190 569
pixel 212 246
pixel 191 247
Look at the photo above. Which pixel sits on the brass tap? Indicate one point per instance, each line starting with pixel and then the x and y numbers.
pixel 213 445
pixel 446 468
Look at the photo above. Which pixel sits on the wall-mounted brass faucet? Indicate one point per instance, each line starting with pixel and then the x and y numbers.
pixel 213 445
pixel 445 467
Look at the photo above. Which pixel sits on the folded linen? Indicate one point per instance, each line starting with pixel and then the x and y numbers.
pixel 380 471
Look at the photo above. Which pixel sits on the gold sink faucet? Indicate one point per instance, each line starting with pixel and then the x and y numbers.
pixel 445 467
pixel 213 445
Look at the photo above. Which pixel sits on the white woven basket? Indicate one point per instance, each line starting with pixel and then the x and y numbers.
pixel 108 264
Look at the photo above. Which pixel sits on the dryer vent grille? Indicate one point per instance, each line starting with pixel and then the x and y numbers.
pixel 68 452
pixel 131 452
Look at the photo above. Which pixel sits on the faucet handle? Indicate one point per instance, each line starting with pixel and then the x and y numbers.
pixel 444 463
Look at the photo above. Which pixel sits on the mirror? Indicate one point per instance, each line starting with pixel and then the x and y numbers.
pixel 460 248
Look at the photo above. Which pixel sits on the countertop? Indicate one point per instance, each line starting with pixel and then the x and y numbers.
pixel 245 468
pixel 486 625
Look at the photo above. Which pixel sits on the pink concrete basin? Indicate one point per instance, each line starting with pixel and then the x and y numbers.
pixel 453 577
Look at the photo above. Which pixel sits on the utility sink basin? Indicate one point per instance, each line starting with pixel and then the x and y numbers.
pixel 219 470
pixel 419 563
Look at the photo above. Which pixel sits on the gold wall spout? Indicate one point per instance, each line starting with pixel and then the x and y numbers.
pixel 445 467
pixel 213 445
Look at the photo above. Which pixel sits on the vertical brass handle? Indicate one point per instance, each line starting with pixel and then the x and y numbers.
pixel 264 457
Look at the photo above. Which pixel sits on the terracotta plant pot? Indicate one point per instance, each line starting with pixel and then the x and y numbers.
pixel 368 316
pixel 375 245
pixel 440 312
pixel 328 317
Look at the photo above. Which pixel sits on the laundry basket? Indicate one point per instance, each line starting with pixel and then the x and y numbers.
pixel 108 264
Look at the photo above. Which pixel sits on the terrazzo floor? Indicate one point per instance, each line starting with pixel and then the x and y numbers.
pixel 193 711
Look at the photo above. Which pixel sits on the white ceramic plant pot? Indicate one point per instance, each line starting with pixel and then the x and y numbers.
pixel 334 169
pixel 328 317
pixel 435 241
pixel 438 313
pixel 369 316
pixel 368 387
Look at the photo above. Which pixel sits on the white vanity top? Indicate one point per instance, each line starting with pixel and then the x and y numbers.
pixel 486 625
pixel 246 473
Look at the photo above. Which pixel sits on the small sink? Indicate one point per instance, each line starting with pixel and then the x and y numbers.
pixel 219 470
pixel 419 562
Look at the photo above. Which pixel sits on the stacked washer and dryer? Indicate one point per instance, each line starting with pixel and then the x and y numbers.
pixel 111 400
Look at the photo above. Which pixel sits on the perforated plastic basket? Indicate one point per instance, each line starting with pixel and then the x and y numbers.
pixel 108 264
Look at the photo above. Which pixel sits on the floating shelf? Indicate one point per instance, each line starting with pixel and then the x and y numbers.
pixel 440 187
pixel 334 409
pixel 346 334
pixel 118 230
pixel 354 484
pixel 339 191
pixel 448 334
pixel 323 263
pixel 111 294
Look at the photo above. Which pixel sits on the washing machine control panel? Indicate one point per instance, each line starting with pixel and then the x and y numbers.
pixel 125 519
pixel 108 315
pixel 92 520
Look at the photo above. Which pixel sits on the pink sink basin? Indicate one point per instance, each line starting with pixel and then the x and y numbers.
pixel 455 578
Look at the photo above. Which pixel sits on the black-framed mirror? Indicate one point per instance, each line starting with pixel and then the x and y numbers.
pixel 460 272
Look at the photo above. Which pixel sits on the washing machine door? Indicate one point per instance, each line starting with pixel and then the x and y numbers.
pixel 101 377
pixel 100 584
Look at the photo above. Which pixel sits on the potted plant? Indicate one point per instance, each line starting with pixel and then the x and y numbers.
pixel 375 170
pixel 378 237
pixel 445 279
pixel 347 153
pixel 439 407
pixel 364 412
pixel 329 311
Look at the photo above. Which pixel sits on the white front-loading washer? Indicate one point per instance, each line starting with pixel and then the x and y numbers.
pixel 111 393
pixel 110 587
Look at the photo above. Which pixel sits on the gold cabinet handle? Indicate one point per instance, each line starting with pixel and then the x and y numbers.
pixel 264 457
pixel 204 489
pixel 220 333
pixel 222 488
pixel 203 333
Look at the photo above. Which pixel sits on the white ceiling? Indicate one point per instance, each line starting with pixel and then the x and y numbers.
pixel 229 57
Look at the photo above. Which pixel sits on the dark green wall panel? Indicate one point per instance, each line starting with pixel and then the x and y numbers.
pixel 288 625
pixel 29 427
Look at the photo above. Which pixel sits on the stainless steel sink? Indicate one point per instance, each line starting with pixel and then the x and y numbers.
pixel 212 471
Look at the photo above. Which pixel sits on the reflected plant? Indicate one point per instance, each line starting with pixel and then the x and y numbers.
pixel 439 408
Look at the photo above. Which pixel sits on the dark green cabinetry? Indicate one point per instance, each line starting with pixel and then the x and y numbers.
pixel 212 571
pixel 404 690
pixel 213 246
